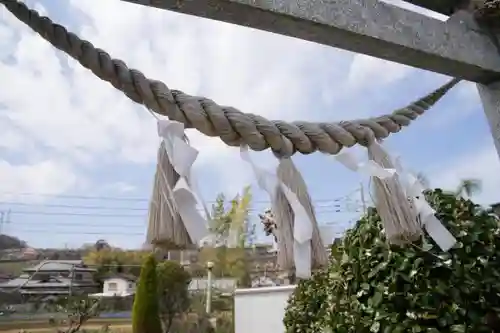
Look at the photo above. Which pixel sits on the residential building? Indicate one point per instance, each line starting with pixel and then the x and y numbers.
pixel 496 208
pixel 5 277
pixel 52 278
pixel 120 285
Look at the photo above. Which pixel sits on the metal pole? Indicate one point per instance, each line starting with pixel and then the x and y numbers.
pixel 210 266
pixel 71 277
pixel 2 218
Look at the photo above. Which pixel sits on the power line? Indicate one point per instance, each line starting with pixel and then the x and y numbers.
pixel 93 207
pixel 93 225
pixel 86 207
pixel 132 199
pixel 67 196
pixel 76 214
pixel 78 232
pixel 110 232
pixel 80 224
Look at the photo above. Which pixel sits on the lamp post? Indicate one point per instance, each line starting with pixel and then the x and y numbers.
pixel 210 266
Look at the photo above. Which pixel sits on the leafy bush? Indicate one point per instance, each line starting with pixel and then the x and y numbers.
pixel 173 285
pixel 371 286
pixel 145 312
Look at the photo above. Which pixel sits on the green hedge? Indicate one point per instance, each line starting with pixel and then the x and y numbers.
pixel 145 312
pixel 370 286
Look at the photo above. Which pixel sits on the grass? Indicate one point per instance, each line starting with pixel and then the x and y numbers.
pixel 44 326
pixel 88 328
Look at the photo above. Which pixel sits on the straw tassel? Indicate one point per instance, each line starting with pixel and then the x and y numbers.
pixel 284 216
pixel 165 226
pixel 398 215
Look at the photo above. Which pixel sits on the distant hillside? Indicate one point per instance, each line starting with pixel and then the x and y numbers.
pixel 15 268
pixel 10 242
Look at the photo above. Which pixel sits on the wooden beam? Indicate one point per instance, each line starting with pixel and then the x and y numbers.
pixel 363 26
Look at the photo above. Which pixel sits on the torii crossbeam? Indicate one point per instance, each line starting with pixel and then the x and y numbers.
pixel 364 26
pixel 456 47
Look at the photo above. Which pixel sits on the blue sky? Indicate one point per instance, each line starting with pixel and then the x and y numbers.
pixel 73 149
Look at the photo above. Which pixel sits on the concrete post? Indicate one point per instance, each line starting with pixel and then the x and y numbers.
pixel 490 97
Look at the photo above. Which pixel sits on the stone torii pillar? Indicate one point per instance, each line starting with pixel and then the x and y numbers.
pixel 457 47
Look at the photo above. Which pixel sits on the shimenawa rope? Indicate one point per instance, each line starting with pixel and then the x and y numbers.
pixel 231 125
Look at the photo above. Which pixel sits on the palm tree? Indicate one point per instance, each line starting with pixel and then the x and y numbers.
pixel 424 181
pixel 469 187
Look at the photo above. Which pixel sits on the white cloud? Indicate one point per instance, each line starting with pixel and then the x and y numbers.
pixel 52 176
pixel 482 164
pixel 365 70
pixel 120 187
pixel 51 102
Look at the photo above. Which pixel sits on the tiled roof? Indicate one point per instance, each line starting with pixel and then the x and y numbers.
pixel 127 277
pixel 59 265
pixel 52 283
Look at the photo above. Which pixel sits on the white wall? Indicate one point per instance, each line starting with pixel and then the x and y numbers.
pixel 261 310
pixel 122 286
pixel 222 284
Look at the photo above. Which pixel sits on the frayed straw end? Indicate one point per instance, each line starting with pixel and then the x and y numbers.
pixel 166 229
pixel 398 216
pixel 291 177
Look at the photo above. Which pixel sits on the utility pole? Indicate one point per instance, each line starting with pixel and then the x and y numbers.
pixel 71 277
pixel 2 220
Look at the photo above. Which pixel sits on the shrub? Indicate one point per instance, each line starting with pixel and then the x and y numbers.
pixel 145 312
pixel 173 285
pixel 371 286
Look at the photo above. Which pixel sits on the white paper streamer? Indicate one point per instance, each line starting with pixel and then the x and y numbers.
pixel 369 168
pixel 180 153
pixel 413 189
pixel 182 157
pixel 302 231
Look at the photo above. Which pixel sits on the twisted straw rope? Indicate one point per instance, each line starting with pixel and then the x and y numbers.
pixel 231 125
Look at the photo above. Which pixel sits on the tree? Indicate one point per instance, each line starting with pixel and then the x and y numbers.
pixel 145 312
pixel 232 225
pixel 468 187
pixel 233 233
pixel 111 261
pixel 9 242
pixel 424 181
pixel 371 286
pixel 101 244
pixel 78 311
pixel 173 284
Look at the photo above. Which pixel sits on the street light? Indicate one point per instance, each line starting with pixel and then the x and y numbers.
pixel 210 266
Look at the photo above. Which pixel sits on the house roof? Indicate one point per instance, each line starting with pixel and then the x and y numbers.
pixel 113 294
pixel 60 265
pixel 127 277
pixel 24 282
